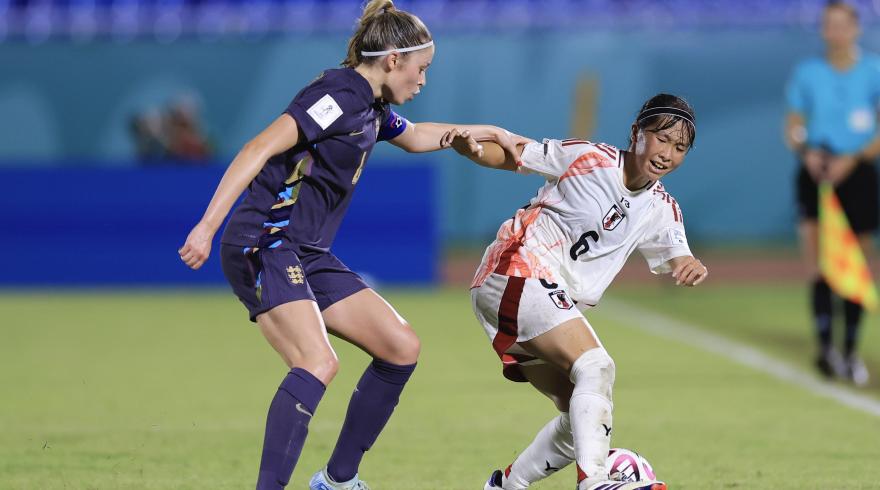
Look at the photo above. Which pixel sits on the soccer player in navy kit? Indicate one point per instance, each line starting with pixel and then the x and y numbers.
pixel 832 126
pixel 300 173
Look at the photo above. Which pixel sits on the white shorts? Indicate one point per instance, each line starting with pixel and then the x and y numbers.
pixel 515 309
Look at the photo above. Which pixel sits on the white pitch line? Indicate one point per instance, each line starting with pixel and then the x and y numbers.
pixel 664 326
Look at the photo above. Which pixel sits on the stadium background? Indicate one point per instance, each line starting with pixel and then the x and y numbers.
pixel 107 338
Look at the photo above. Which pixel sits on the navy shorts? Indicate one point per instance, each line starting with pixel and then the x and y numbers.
pixel 270 277
pixel 858 195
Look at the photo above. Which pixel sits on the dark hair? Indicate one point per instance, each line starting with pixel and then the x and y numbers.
pixel 652 115
pixel 383 27
pixel 845 6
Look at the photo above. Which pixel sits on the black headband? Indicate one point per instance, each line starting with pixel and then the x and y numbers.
pixel 668 111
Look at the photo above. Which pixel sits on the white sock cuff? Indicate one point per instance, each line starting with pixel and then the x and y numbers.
pixel 564 422
pixel 590 362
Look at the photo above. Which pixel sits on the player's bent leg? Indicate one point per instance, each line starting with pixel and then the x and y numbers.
pixel 368 321
pixel 574 348
pixel 553 448
pixel 562 345
pixel 550 451
pixel 296 331
pixel 591 407
pixel 551 381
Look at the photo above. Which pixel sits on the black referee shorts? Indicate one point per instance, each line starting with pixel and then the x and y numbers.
pixel 858 195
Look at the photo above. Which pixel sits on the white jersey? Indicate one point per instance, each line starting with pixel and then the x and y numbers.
pixel 584 223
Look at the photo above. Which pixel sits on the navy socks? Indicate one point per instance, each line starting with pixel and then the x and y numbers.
pixel 372 403
pixel 287 425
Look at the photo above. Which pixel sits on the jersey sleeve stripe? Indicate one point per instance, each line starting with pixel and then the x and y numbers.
pixel 585 164
pixel 667 198
pixel 607 150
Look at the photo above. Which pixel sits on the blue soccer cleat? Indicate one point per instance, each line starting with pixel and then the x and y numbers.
pixel 321 481
pixel 495 480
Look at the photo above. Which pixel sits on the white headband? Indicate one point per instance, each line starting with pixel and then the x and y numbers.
pixel 667 111
pixel 398 50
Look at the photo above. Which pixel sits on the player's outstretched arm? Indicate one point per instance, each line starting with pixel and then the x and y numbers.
pixel 486 153
pixel 279 136
pixel 428 136
pixel 688 271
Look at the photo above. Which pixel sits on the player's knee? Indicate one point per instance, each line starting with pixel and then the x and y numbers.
pixel 405 347
pixel 410 347
pixel 323 365
pixel 593 372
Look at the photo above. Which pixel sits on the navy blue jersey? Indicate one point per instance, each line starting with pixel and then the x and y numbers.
pixel 301 195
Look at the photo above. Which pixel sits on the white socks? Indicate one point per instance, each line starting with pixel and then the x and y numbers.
pixel 583 434
pixel 551 451
pixel 590 410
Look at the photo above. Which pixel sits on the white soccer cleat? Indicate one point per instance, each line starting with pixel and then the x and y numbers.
pixel 856 371
pixel 618 485
pixel 496 480
pixel 831 364
pixel 321 481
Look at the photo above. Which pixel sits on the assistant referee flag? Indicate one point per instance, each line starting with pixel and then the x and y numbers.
pixel 840 257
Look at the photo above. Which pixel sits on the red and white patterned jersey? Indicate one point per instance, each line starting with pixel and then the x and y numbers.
pixel 584 223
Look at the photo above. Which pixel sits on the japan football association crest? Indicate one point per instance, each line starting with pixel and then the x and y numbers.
pixel 612 218
pixel 561 300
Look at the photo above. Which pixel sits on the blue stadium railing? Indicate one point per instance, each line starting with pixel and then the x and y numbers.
pixel 96 226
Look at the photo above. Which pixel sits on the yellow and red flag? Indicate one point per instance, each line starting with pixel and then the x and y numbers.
pixel 840 257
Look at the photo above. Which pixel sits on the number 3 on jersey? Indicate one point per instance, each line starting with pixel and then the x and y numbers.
pixel 582 246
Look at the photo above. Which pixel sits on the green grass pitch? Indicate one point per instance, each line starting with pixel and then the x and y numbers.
pixel 168 390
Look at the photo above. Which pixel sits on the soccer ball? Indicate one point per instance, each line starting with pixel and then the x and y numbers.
pixel 629 466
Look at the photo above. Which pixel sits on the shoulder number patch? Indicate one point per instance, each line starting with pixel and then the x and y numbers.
pixel 325 111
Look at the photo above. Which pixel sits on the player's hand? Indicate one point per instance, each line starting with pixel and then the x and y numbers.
pixel 197 248
pixel 839 168
pixel 815 161
pixel 690 272
pixel 509 142
pixel 462 142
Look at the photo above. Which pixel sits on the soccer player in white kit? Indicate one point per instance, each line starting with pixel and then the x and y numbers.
pixel 556 257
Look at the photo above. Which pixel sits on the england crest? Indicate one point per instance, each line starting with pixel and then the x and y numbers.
pixel 561 300
pixel 612 218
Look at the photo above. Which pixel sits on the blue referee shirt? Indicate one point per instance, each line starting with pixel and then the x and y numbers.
pixel 840 108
